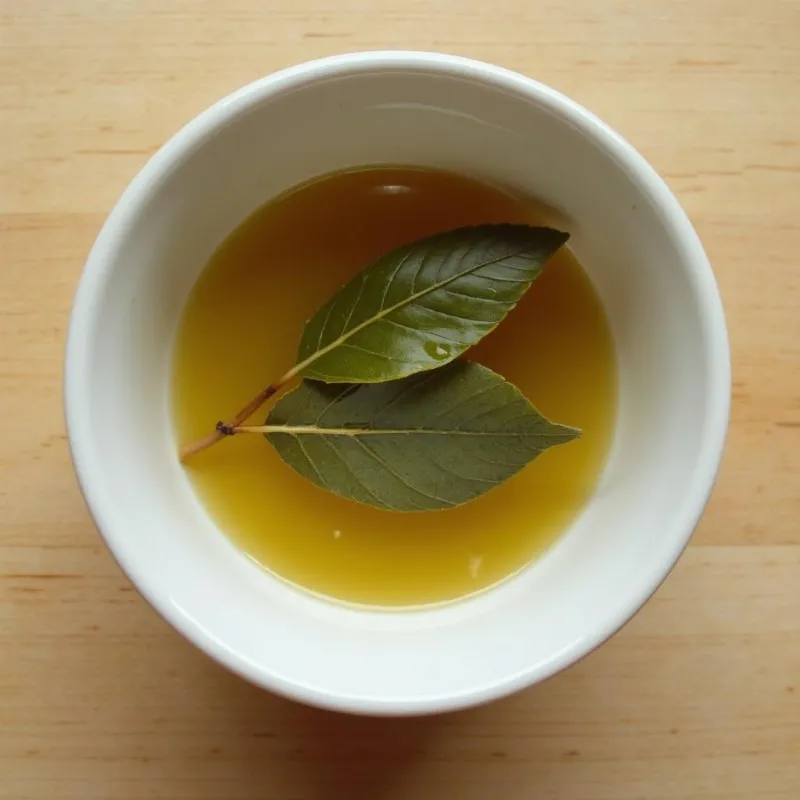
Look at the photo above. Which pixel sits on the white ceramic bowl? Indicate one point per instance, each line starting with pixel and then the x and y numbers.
pixel 425 109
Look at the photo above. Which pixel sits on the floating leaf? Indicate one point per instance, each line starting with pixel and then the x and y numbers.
pixel 424 304
pixel 429 441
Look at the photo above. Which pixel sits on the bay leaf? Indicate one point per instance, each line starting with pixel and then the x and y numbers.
pixel 429 441
pixel 424 304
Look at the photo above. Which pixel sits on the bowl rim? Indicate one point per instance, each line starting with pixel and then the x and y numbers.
pixel 139 192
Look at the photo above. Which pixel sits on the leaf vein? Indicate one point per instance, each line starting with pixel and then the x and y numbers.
pixel 399 477
pixel 355 303
pixel 415 385
pixel 493 300
pixel 358 480
pixel 512 465
pixel 348 389
pixel 406 301
pixel 314 431
pixel 468 399
pixel 458 474
pixel 423 330
pixel 390 280
pixel 505 280
pixel 331 304
pixel 377 354
pixel 451 315
pixel 310 462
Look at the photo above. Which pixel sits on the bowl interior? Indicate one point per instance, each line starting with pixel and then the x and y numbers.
pixel 632 238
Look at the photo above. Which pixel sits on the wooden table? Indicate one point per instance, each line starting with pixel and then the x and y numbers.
pixel 699 697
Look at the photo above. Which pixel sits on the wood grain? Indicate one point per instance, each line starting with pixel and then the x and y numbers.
pixel 699 697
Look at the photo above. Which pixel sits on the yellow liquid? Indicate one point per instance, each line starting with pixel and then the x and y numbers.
pixel 241 328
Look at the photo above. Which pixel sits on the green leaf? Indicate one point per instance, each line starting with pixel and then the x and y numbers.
pixel 424 304
pixel 429 441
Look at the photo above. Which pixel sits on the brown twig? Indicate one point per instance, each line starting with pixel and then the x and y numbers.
pixel 224 429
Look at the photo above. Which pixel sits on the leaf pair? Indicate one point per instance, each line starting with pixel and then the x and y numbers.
pixel 384 416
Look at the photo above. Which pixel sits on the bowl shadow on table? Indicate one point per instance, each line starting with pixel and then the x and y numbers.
pixel 272 747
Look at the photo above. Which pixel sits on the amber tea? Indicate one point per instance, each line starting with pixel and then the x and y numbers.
pixel 241 327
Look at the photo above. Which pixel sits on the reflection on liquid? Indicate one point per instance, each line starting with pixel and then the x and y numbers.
pixel 393 188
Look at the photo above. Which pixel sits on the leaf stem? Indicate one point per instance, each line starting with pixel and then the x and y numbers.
pixel 224 429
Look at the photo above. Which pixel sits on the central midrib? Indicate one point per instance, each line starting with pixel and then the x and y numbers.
pixel 386 311
pixel 301 430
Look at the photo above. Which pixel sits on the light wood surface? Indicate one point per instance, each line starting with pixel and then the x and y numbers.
pixel 699 697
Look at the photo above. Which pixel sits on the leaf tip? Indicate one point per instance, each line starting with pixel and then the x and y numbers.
pixel 557 238
pixel 567 433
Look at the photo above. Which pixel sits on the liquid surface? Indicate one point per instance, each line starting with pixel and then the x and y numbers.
pixel 241 329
